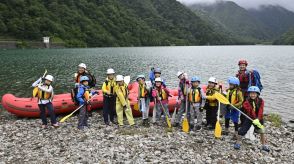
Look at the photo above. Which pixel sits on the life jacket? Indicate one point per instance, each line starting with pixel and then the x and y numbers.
pixel 86 95
pixel 195 95
pixel 254 108
pixel 244 78
pixel 142 91
pixel 183 87
pixel 92 78
pixel 232 96
pixel 210 92
pixel 162 94
pixel 109 85
pixel 42 95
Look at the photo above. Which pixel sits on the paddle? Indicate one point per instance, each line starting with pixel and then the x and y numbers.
pixel 218 127
pixel 36 89
pixel 185 124
pixel 68 116
pixel 225 101
pixel 166 115
pixel 173 119
pixel 154 112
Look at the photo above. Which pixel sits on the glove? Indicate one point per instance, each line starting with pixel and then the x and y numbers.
pixel 257 123
pixel 201 109
pixel 94 92
pixel 159 98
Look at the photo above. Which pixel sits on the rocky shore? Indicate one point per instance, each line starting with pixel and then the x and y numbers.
pixel 23 141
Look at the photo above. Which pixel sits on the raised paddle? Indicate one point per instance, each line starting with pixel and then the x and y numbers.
pixel 218 127
pixel 225 101
pixel 68 116
pixel 36 89
pixel 185 124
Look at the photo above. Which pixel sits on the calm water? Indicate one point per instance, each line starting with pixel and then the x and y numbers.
pixel 19 68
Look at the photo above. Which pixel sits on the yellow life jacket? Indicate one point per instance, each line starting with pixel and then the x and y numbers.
pixel 87 95
pixel 162 94
pixel 195 95
pixel 42 95
pixel 210 92
pixel 108 86
pixel 142 91
pixel 232 96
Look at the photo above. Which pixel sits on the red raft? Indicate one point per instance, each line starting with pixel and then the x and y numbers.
pixel 28 107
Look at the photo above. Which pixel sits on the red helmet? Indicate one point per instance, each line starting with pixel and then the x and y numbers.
pixel 243 62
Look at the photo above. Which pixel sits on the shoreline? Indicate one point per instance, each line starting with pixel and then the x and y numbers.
pixel 23 141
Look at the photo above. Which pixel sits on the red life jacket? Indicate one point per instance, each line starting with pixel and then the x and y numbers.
pixel 252 112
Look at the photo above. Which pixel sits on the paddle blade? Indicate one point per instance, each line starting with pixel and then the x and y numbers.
pixel 221 98
pixel 127 79
pixel 185 125
pixel 65 118
pixel 35 91
pixel 168 122
pixel 218 130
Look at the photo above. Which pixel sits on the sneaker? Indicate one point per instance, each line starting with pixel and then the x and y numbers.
pixel 55 125
pixel 114 123
pixel 44 126
pixel 265 148
pixel 237 146
pixel 198 127
pixel 191 127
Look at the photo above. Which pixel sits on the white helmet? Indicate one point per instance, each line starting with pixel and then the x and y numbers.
pixel 49 77
pixel 119 78
pixel 179 73
pixel 158 79
pixel 110 71
pixel 83 65
pixel 212 79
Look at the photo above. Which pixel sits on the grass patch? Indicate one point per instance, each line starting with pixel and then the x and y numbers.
pixel 275 119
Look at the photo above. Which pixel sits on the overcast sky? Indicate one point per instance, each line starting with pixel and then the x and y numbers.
pixel 289 4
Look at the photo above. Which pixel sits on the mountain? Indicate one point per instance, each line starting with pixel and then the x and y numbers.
pixel 286 39
pixel 278 19
pixel 235 19
pixel 97 23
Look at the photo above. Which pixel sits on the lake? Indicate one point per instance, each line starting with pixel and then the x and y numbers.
pixel 20 68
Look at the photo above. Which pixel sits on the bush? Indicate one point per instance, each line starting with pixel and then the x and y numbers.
pixel 275 119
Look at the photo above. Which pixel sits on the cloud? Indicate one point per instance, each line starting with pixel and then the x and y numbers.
pixel 288 4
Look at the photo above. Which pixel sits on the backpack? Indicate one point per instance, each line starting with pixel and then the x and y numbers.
pixel 92 82
pixel 256 79
pixel 73 94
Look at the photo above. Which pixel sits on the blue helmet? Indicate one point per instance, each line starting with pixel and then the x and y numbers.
pixel 234 80
pixel 195 78
pixel 84 78
pixel 254 89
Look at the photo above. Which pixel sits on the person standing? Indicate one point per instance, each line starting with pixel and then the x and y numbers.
pixel 45 96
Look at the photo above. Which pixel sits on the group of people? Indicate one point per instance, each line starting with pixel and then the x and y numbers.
pixel 243 93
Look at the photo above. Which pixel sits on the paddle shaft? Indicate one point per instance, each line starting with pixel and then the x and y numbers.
pixel 241 112
pixel 82 105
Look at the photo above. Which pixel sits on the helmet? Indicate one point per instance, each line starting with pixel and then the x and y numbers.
pixel 140 76
pixel 158 79
pixel 254 89
pixel 242 61
pixel 49 77
pixel 157 70
pixel 179 73
pixel 84 78
pixel 195 78
pixel 212 80
pixel 83 65
pixel 119 78
pixel 234 80
pixel 110 71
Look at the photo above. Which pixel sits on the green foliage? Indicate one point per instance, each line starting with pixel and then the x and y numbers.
pixel 22 44
pixel 101 23
pixel 286 39
pixel 275 119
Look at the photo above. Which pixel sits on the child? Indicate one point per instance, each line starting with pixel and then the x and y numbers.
pixel 253 107
pixel 122 102
pixel 83 96
pixel 196 103
pixel 143 98
pixel 45 95
pixel 211 105
pixel 160 94
pixel 109 97
pixel 184 84
pixel 235 97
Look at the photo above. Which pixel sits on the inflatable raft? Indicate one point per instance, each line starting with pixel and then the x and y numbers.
pixel 28 107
